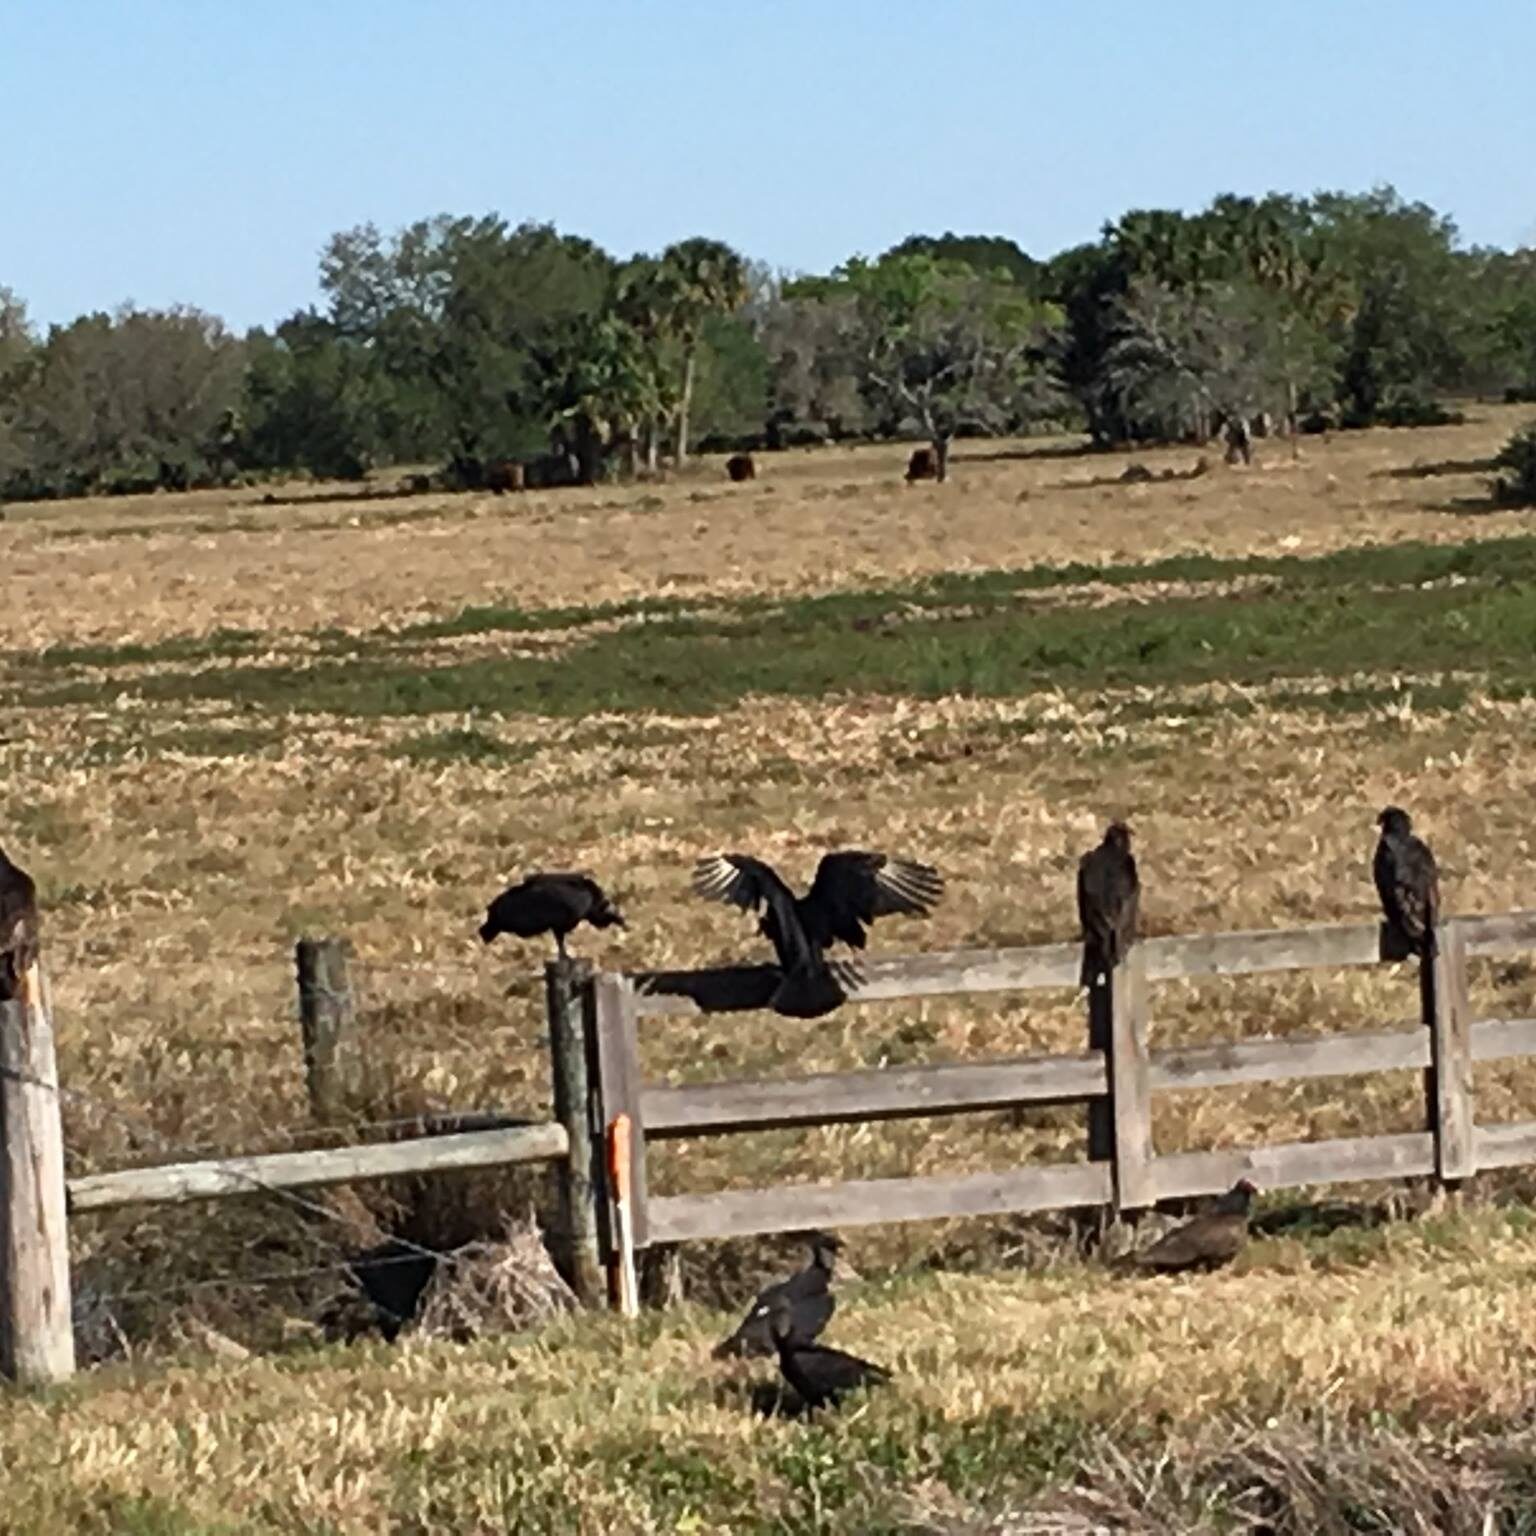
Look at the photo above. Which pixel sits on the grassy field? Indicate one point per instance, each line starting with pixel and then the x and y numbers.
pixel 228 722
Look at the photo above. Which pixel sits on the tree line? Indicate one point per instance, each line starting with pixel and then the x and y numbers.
pixel 466 342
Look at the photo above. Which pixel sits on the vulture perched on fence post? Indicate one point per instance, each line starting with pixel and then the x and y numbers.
pixel 808 1295
pixel 1408 883
pixel 1108 893
pixel 820 1374
pixel 549 904
pixel 20 927
pixel 850 891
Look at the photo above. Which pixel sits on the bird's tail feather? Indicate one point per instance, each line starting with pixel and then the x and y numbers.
pixel 809 991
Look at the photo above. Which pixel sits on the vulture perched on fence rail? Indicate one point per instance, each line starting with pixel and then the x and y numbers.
pixel 1407 882
pixel 549 904
pixel 850 891
pixel 20 927
pixel 808 1294
pixel 1108 893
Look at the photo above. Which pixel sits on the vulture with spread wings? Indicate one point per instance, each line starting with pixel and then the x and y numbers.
pixel 850 891
pixel 19 927
pixel 1407 882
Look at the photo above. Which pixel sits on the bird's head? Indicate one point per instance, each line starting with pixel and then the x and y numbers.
pixel 1239 1197
pixel 825 1247
pixel 1395 821
pixel 1118 835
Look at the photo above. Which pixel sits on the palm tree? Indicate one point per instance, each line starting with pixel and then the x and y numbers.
pixel 696 279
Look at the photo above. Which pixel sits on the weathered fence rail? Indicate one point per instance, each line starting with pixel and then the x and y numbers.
pixel 595 1038
pixel 1115 1079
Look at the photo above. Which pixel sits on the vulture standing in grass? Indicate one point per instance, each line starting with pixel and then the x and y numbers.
pixel 1108 890
pixel 549 904
pixel 19 927
pixel 1407 882
pixel 851 890
pixel 820 1375
pixel 808 1295
pixel 1208 1241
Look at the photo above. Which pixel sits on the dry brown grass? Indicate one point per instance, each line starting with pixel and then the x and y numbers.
pixel 176 878
pixel 1002 1385
pixel 816 521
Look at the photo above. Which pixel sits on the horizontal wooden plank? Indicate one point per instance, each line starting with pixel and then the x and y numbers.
pixel 1500 933
pixel 1343 1161
pixel 737 988
pixel 176 1182
pixel 889 1093
pixel 1498 1039
pixel 1226 1064
pixel 734 989
pixel 742 1212
pixel 1505 1146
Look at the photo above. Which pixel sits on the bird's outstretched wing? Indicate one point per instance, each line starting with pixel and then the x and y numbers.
pixel 748 883
pixel 853 888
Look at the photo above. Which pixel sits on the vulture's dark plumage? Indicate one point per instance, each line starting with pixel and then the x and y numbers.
pixel 1208 1241
pixel 1407 882
pixel 549 904
pixel 821 1375
pixel 850 891
pixel 20 927
pixel 1108 893
pixel 808 1295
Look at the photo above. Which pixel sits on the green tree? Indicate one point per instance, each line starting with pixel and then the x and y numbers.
pixel 697 279
pixel 130 401
pixel 938 345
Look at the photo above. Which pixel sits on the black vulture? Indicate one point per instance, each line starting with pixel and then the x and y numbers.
pixel 1407 882
pixel 808 1295
pixel 1108 892
pixel 850 891
pixel 1208 1241
pixel 20 927
pixel 549 904
pixel 821 1375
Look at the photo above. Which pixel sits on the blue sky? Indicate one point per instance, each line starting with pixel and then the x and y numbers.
pixel 200 151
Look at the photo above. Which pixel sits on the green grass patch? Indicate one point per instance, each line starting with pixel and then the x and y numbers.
pixel 463 745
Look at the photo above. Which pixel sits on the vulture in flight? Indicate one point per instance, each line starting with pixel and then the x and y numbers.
pixel 549 904
pixel 808 1295
pixel 850 891
pixel 19 927
pixel 1407 882
pixel 1108 890
pixel 1208 1241
pixel 820 1375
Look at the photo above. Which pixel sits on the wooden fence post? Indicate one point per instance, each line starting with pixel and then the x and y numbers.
pixel 1448 1082
pixel 615 1029
pixel 1130 1088
pixel 1101 1111
pixel 37 1340
pixel 566 984
pixel 327 1018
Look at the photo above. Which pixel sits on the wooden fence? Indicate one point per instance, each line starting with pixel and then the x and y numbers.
pixel 595 1036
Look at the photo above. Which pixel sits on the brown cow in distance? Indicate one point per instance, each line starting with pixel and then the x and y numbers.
pixel 922 465
pixel 740 467
pixel 504 475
